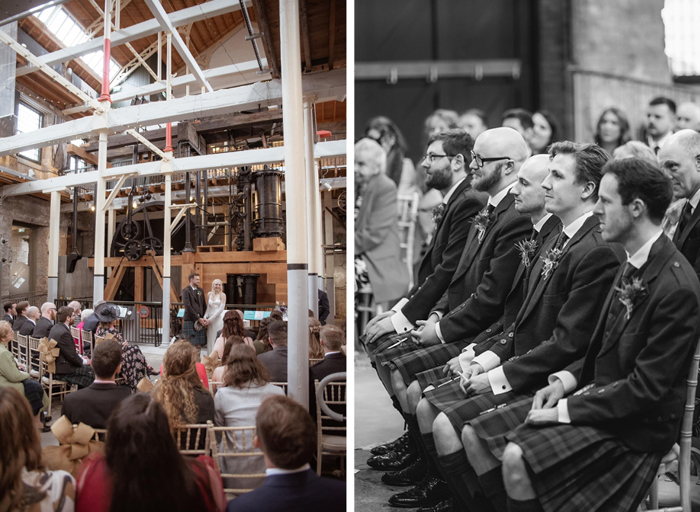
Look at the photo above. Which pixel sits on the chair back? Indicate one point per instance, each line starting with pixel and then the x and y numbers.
pixel 98 340
pixel 87 336
pixel 21 346
pixel 313 361
pixel 100 434
pixel 282 385
pixel 34 361
pixel 192 439
pixel 333 395
pixel 14 335
pixel 408 214
pixel 234 443
pixel 75 332
pixel 214 386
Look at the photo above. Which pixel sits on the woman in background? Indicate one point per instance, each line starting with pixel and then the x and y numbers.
pixel 233 326
pixel 398 167
pixel 215 312
pixel 612 129
pixel 545 130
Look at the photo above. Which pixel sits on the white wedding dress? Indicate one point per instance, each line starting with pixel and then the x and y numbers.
pixel 215 314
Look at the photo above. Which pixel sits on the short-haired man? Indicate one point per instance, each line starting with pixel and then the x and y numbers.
pixel 32 315
pixel 334 361
pixel 474 122
pixel 661 119
pixel 632 382
pixel 46 322
pixel 10 312
pixel 688 116
pixel 94 404
pixel 195 309
pixel 275 360
pixel 286 434
pixel 70 367
pixel 21 310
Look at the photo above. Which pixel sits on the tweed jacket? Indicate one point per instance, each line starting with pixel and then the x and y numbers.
pixel 42 328
pixel 68 360
pixel 195 303
pixel 688 242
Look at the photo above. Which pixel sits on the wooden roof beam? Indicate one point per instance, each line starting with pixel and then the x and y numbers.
pixel 268 43
pixel 305 39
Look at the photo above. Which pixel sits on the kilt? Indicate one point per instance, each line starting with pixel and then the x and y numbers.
pixel 433 377
pixel 82 377
pixel 583 468
pixel 494 426
pixel 34 393
pixel 422 359
pixel 384 355
pixel 194 337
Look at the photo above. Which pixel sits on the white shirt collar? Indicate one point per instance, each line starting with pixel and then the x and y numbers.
pixel 660 143
pixel 573 228
pixel 30 320
pixel 538 227
pixel 639 258
pixel 496 200
pixel 694 200
pixel 278 471
pixel 98 381
pixel 452 190
pixel 193 287
pixel 334 352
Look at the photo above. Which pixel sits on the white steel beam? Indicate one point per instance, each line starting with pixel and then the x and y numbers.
pixel 324 86
pixel 143 140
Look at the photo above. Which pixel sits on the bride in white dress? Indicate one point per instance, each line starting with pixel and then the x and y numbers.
pixel 215 312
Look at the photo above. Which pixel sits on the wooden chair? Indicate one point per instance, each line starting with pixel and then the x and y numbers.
pixel 214 386
pixel 192 439
pixel 53 387
pixel 685 446
pixel 86 337
pixel 98 340
pixel 22 349
pixel 330 393
pixel 14 348
pixel 75 332
pixel 34 358
pixel 236 443
pixel 408 215
pixel 282 385
pixel 100 434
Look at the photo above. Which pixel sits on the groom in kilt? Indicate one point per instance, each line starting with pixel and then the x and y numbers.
pixel 195 308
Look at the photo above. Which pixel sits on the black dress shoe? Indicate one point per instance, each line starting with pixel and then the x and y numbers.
pixel 443 506
pixel 394 461
pixel 383 449
pixel 430 491
pixel 411 475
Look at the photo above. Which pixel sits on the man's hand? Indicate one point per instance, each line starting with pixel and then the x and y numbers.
pixel 475 385
pixel 377 318
pixel 379 329
pixel 547 397
pixel 475 369
pixel 203 321
pixel 426 335
pixel 542 417
pixel 452 366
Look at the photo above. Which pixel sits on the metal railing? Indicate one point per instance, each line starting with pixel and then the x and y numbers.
pixel 34 298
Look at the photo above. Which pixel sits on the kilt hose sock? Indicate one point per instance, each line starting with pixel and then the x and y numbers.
pixel 524 506
pixel 462 478
pixel 492 484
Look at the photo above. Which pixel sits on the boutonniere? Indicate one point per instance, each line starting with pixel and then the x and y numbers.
pixel 527 249
pixel 629 293
pixel 481 221
pixel 551 261
pixel 438 213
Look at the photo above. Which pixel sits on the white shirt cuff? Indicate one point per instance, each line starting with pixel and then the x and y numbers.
pixel 563 410
pixel 400 304
pixel 566 378
pixel 439 334
pixel 488 360
pixel 499 382
pixel 438 313
pixel 400 322
pixel 465 358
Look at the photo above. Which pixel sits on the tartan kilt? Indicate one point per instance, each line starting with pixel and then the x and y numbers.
pixel 82 377
pixel 493 427
pixel 194 337
pixel 384 355
pixel 34 393
pixel 423 359
pixel 433 377
pixel 583 468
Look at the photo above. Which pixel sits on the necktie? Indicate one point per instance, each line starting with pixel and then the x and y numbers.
pixel 628 273
pixel 563 238
pixel 534 234
pixel 656 150
pixel 489 209
pixel 686 214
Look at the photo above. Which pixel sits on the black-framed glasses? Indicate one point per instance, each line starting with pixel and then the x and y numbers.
pixel 431 157
pixel 480 161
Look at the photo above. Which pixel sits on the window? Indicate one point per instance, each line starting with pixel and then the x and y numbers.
pixel 29 120
pixel 681 19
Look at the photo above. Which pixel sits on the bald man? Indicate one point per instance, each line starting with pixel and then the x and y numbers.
pixel 46 322
pixel 27 328
pixel 688 116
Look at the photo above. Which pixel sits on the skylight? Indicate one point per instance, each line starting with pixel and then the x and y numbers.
pixel 70 34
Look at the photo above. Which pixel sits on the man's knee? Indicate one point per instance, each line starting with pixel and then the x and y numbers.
pixel 513 466
pixel 397 380
pixel 469 437
pixel 442 426
pixel 414 393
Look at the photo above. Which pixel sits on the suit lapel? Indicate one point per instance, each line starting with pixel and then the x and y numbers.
pixel 541 239
pixel 689 228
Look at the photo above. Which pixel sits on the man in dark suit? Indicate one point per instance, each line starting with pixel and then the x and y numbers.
pixel 46 322
pixel 94 404
pixel 21 315
pixel 195 308
pixel 70 367
pixel 276 359
pixel 32 314
pixel 286 434
pixel 10 312
pixel 324 307
pixel 334 361
pixel 632 382
pixel 661 120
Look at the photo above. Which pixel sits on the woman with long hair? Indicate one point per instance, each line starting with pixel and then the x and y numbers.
pixel 218 373
pixel 216 305
pixel 612 129
pixel 142 469
pixel 399 168
pixel 315 350
pixel 545 131
pixel 262 340
pixel 233 326
pixel 24 482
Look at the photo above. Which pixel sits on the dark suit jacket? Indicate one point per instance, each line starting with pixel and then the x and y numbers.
pixel 477 294
pixel 276 363
pixel 8 318
pixel 639 365
pixel 555 324
pixel 195 303
pixel 324 307
pixel 333 363
pixel 377 240
pixel 444 252
pixel 27 328
pixel 296 492
pixel 688 242
pixel 43 327
pixel 18 323
pixel 68 360
pixel 94 404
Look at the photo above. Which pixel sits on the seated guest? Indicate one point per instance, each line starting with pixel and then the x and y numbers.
pixel 142 468
pixel 29 324
pixel 94 404
pixel 83 316
pixel 134 365
pixel 233 326
pixel 21 317
pixel 201 369
pixel 287 436
pixel 218 374
pixel 247 384
pixel 91 322
pixel 11 376
pixel 334 361
pixel 46 322
pixel 315 350
pixel 77 309
pixel 10 312
pixel 276 360
pixel 26 485
pixel 277 315
pixel 180 390
pixel 70 367
pixel 262 340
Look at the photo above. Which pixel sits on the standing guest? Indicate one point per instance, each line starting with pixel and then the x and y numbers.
pixel 688 116
pixel 233 326
pixel 661 119
pixel 545 131
pixel 399 168
pixel 94 404
pixel 25 484
pixel 519 120
pixel 287 436
pixel 315 349
pixel 612 129
pixel 474 122
pixel 218 373
pixel 10 312
pixel 246 385
pixel 276 360
pixel 377 243
pixel 195 309
pixel 324 307
pixel 134 365
pixel 70 367
pixel 21 315
pixel 216 304
pixel 32 315
pixel 142 468
pixel 47 320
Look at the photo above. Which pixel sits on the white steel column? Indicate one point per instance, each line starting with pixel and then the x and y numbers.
pixel 318 231
pixel 100 191
pixel 166 258
pixel 297 266
pixel 311 185
pixel 111 226
pixel 54 235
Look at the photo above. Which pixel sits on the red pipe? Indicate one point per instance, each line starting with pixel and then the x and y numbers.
pixel 168 138
pixel 105 72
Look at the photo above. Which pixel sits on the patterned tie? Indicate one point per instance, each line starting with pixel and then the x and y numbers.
pixel 686 214
pixel 534 234
pixel 628 273
pixel 563 238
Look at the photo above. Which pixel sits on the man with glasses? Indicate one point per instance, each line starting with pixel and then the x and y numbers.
pixel 46 322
